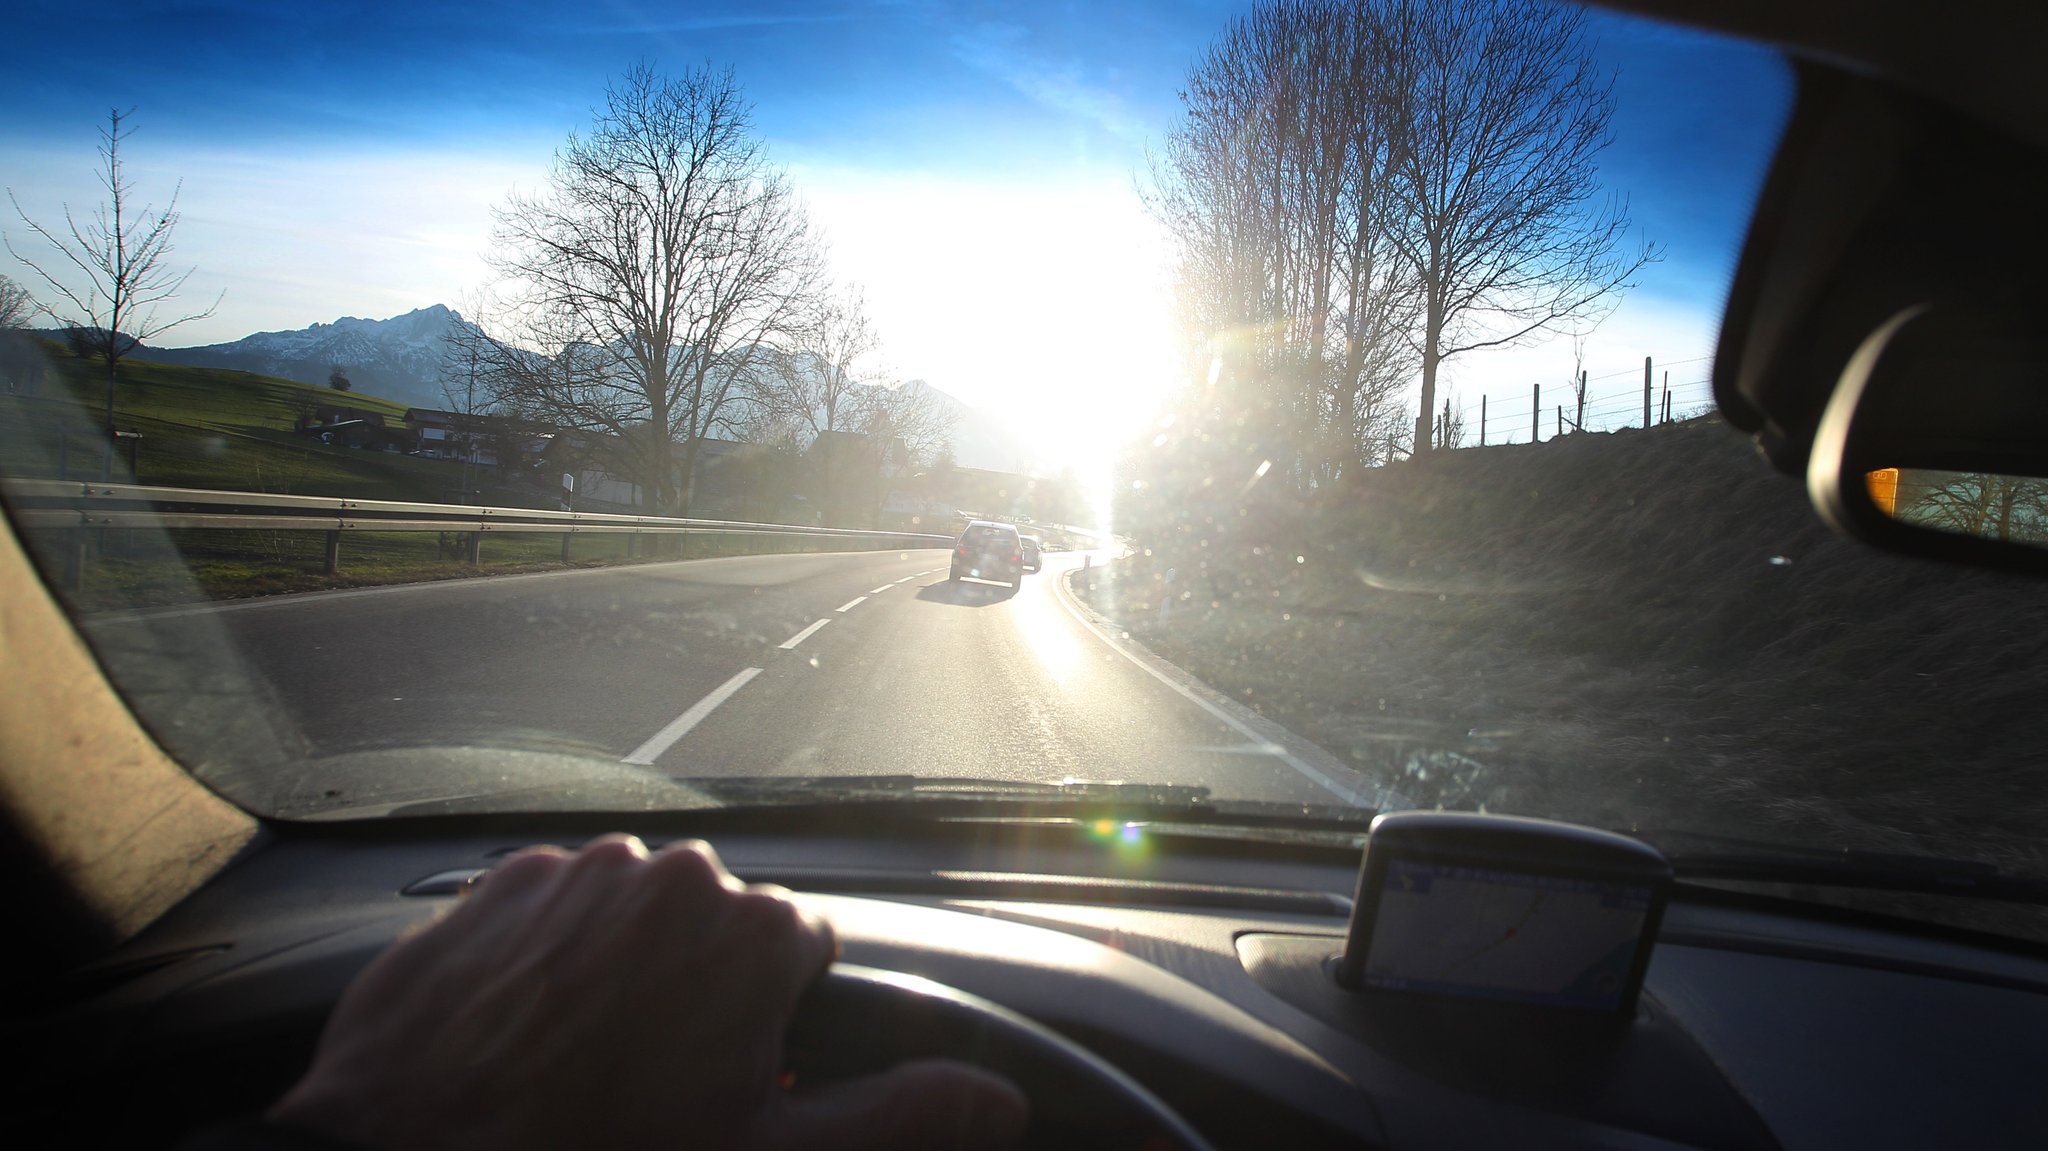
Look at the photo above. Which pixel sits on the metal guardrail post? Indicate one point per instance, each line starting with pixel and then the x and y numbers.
pixel 566 537
pixel 476 548
pixel 332 565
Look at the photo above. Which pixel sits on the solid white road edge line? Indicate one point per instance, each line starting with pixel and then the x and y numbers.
pixel 792 641
pixel 647 753
pixel 849 605
pixel 1264 743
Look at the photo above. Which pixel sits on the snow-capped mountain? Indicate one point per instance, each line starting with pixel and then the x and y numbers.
pixel 401 359
pixel 398 359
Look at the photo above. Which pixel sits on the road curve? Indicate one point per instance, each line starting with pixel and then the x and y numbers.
pixel 868 663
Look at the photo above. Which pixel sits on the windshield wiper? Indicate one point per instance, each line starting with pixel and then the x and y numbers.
pixel 1697 855
pixel 963 797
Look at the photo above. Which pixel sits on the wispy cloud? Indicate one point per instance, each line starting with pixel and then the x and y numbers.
pixel 1064 86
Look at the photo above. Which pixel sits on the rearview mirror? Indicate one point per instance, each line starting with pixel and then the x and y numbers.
pixel 1935 440
pixel 1981 505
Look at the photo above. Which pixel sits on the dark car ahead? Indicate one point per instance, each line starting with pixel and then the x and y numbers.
pixel 989 551
pixel 1032 560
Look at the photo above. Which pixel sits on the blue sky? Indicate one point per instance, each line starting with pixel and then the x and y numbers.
pixel 974 165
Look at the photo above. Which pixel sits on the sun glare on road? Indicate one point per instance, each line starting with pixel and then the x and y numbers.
pixel 1047 629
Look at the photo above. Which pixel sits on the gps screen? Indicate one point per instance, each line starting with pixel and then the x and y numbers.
pixel 1476 933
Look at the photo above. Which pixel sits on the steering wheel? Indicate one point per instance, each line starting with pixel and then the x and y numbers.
pixel 858 1020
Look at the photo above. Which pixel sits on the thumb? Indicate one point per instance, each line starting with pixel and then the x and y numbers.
pixel 925 1105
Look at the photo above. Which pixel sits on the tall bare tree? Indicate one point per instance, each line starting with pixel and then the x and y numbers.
pixel 1276 192
pixel 650 283
pixel 1500 113
pixel 119 260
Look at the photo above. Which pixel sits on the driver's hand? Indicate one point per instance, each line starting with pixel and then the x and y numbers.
pixel 612 998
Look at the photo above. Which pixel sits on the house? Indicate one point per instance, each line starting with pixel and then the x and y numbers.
pixel 472 436
pixel 730 480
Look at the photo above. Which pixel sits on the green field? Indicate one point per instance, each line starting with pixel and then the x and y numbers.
pixel 209 428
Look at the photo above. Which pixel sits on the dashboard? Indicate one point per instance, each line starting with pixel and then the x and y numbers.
pixel 1199 967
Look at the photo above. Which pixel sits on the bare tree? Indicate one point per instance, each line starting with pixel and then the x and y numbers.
pixel 822 378
pixel 912 413
pixel 120 255
pixel 1276 191
pixel 1500 114
pixel 17 306
pixel 650 283
pixel 1975 504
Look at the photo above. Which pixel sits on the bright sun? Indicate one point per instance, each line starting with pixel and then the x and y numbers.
pixel 1046 306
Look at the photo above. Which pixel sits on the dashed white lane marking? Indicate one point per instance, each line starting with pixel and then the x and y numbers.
pixel 908 578
pixel 803 635
pixel 880 590
pixel 648 752
pixel 849 605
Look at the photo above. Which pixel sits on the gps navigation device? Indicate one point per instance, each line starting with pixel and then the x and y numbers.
pixel 1507 909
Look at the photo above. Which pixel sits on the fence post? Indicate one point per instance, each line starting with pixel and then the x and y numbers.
pixel 1579 423
pixel 332 565
pixel 1560 419
pixel 1482 421
pixel 1646 391
pixel 1667 395
pixel 1536 414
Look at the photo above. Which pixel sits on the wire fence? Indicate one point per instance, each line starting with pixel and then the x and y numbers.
pixel 1631 398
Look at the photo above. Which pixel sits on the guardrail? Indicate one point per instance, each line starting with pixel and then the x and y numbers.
pixel 86 508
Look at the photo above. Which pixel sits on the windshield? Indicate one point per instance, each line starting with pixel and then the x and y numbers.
pixel 584 408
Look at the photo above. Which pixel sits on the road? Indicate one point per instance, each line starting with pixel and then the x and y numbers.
pixel 804 665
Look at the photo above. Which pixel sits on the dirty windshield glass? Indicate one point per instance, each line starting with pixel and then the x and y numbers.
pixel 567 407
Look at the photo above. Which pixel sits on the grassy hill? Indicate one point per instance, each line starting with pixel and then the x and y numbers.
pixel 209 428
pixel 214 428
pixel 1648 629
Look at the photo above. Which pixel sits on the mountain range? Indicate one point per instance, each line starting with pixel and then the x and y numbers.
pixel 400 358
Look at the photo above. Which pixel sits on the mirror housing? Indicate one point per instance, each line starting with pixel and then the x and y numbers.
pixel 1935 440
pixel 1883 319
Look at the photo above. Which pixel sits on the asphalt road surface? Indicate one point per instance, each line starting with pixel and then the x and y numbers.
pixel 806 665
